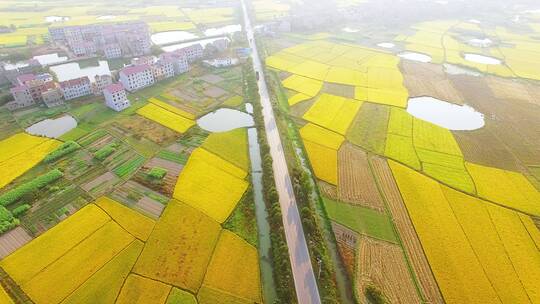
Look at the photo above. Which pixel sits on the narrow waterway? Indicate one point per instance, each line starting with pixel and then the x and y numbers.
pixel 267 278
pixel 342 279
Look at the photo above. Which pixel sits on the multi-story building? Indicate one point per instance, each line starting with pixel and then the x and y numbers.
pixel 52 97
pixel 112 50
pixel 116 97
pixel 30 89
pixel 113 40
pixel 75 88
pixel 192 52
pixel 136 77
pixel 143 60
pixel 221 44
pixel 162 69
pixel 179 61
pixel 101 82
pixel 22 98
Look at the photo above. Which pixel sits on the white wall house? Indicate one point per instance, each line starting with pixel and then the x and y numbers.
pixel 179 61
pixel 136 77
pixel 116 97
pixel 75 88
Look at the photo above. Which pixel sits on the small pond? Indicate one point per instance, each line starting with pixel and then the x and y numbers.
pixel 203 42
pixel 350 30
pixel 56 18
pixel 49 59
pixel 53 128
pixel 224 120
pixel 482 59
pixel 224 30
pixel 249 108
pixel 445 114
pixel 457 70
pixel 386 45
pixel 415 56
pixel 172 36
pixel 484 43
pixel 73 70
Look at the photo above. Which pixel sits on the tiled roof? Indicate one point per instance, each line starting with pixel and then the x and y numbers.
pixel 113 88
pixel 74 82
pixel 134 69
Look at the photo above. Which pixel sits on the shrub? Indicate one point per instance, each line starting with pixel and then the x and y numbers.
pixel 20 210
pixel 374 295
pixel 157 173
pixel 104 152
pixel 63 149
pixel 30 187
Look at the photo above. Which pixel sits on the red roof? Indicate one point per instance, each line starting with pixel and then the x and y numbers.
pixel 114 88
pixel 134 69
pixel 25 77
pixel 74 82
pixel 17 89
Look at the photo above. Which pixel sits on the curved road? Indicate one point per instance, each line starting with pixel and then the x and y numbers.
pixel 304 278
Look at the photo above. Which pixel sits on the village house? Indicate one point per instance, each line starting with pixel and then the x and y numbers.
pixel 179 61
pixel 101 81
pixel 75 88
pixel 136 77
pixel 116 97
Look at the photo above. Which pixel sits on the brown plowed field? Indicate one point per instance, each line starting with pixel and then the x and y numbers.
pixel 356 184
pixel 383 265
pixel 347 241
pixel 12 240
pixel 328 190
pixel 411 243
pixel 424 79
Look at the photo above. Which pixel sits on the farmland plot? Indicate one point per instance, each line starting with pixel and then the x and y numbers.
pixel 231 146
pixel 407 233
pixel 355 181
pixel 334 113
pixel 369 128
pixel 179 259
pixel 166 118
pixel 383 265
pixel 142 290
pixel 347 242
pixel 321 146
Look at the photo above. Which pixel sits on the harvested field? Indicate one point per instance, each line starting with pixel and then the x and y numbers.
pixel 485 148
pixel 425 79
pixel 355 181
pixel 299 109
pixel 150 207
pixel 328 190
pixel 179 258
pixel 512 89
pixel 383 265
pixel 13 240
pixel 368 130
pixel 167 184
pixel 347 242
pixel 147 128
pixel 346 91
pixel 405 228
pixel 101 184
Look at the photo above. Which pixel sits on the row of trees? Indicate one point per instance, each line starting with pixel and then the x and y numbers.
pixel 280 251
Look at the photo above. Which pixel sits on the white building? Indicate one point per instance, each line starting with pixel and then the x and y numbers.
pixel 221 62
pixel 162 69
pixel 112 51
pixel 192 52
pixel 136 77
pixel 116 97
pixel 179 61
pixel 23 98
pixel 75 88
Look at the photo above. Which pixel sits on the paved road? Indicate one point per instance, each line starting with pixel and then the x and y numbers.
pixel 304 278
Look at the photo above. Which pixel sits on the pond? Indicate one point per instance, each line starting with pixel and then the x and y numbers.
pixel 457 70
pixel 249 108
pixel 172 36
pixel 203 42
pixel 56 18
pixel 224 120
pixel 224 30
pixel 482 59
pixel 49 59
pixel 386 45
pixel 445 114
pixel 415 56
pixel 73 70
pixel 53 128
pixel 350 30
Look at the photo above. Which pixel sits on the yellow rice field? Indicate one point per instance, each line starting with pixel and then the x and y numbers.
pixel 140 290
pixel 53 244
pixel 166 118
pixel 507 188
pixel 211 185
pixel 4 297
pixel 179 258
pixel 135 223
pixel 20 153
pixel 171 108
pixel 307 86
pixel 322 148
pixel 105 284
pixel 333 112
pixel 322 136
pixel 51 286
pixel 298 98
pixel 234 268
